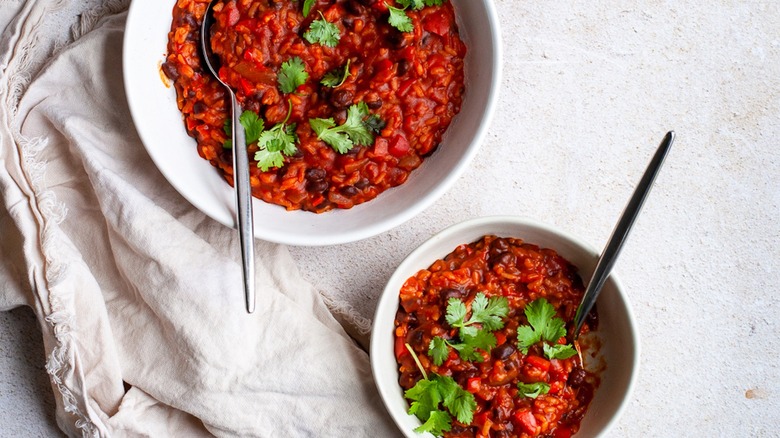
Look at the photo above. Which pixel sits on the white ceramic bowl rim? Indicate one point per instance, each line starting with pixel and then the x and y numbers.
pixel 383 362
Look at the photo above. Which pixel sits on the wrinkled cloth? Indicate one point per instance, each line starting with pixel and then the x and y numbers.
pixel 139 294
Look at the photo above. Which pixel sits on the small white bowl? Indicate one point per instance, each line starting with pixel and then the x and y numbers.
pixel 160 126
pixel 616 327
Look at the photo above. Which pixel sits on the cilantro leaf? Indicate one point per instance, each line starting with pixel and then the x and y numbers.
pixel 375 124
pixel 437 422
pixel 433 2
pixel 292 74
pixel 544 326
pixel 438 350
pixel 429 395
pixel 323 32
pixel 489 312
pixel 335 78
pixel 414 4
pixel 526 337
pixel 483 339
pixel 456 312
pixel 559 351
pixel 425 398
pixel 533 390
pixel 399 20
pixel 253 126
pixel 307 5
pixel 344 137
pixel 273 144
pixel 485 311
pixel 457 400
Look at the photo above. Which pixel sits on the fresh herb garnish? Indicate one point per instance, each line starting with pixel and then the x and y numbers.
pixel 375 124
pixel 307 5
pixel 486 312
pixel 276 142
pixel 292 74
pixel 533 390
pixel 253 126
pixel 558 351
pixel 544 327
pixel 335 78
pixel 399 20
pixel 432 394
pixel 323 32
pixel 344 137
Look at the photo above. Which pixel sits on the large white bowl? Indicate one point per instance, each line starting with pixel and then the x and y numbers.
pixel 159 124
pixel 616 327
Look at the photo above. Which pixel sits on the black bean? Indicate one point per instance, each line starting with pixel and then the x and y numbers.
pixel 403 67
pixel 504 259
pixel 349 191
pixel 170 71
pixel 317 186
pixel 315 174
pixel 341 99
pixel 448 293
pixel 502 351
pixel 416 340
pixel 374 103
pixel 396 39
pixel 362 183
pixel 577 377
pixel 354 7
pixel 199 108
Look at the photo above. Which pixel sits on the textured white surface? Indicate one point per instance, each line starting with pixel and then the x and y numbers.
pixel 589 90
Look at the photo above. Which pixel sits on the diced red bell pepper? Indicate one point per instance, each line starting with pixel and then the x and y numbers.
pixel 526 421
pixel 437 22
pixel 473 385
pixel 399 146
pixel 400 348
pixel 538 363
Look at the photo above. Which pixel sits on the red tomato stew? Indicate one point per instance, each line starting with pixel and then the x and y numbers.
pixel 491 316
pixel 345 100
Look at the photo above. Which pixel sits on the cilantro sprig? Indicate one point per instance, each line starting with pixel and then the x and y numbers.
pixel 335 78
pixel 352 132
pixel 435 399
pixel 292 74
pixel 398 18
pixel 321 31
pixel 545 327
pixel 474 330
pixel 273 144
pixel 533 390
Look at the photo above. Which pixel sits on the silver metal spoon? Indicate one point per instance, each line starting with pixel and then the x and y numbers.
pixel 619 235
pixel 240 166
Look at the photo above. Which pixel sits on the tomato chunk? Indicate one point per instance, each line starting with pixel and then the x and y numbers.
pixel 525 420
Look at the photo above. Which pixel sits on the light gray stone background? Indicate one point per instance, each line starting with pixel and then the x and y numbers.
pixel 589 90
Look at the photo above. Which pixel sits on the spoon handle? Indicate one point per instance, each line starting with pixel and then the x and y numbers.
pixel 620 233
pixel 244 204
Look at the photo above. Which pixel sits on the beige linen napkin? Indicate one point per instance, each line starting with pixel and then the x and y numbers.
pixel 138 293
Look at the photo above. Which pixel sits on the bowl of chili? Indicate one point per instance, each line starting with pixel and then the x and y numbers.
pixel 470 336
pixel 354 136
